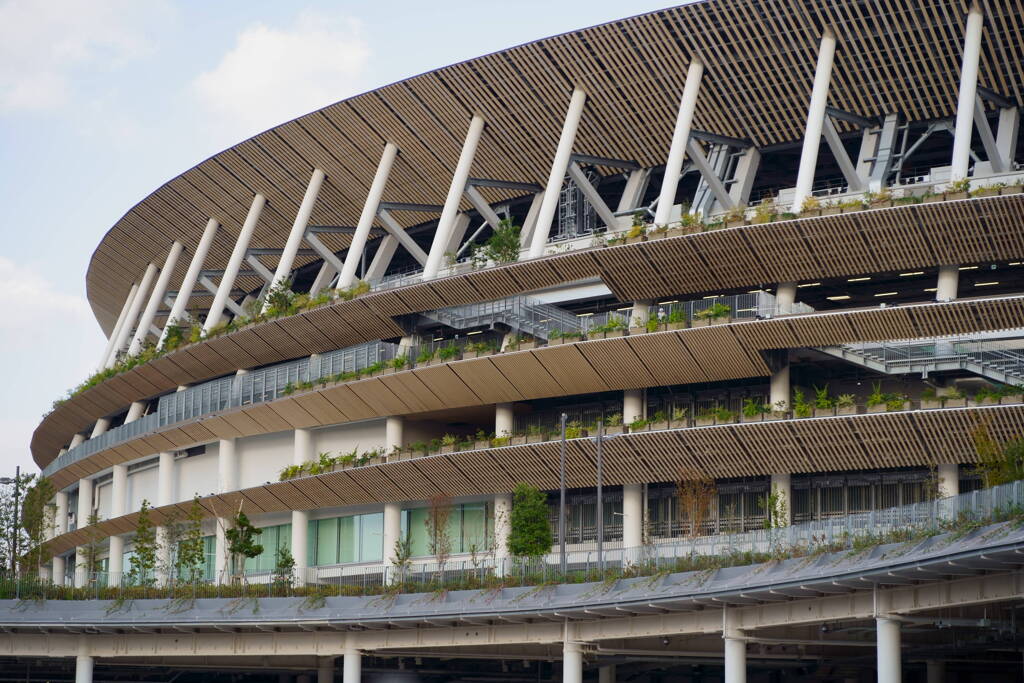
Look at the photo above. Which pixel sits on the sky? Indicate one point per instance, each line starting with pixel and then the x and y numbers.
pixel 102 101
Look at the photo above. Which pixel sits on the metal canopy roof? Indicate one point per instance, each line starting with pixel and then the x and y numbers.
pixel 893 56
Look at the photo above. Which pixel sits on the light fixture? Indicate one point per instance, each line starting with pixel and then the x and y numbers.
pixel 931 289
pixel 713 296
pixel 439 339
pixel 887 294
pixel 857 279
pixel 666 303
pixel 968 267
pixel 810 284
pixel 626 308
pixel 840 297
pixel 1014 263
pixel 985 284
pixel 469 334
pixel 584 315
pixel 916 272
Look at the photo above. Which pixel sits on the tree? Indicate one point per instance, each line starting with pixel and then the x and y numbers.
pixel 530 532
pixel 191 559
pixel 998 463
pixel 144 549
pixel 437 530
pixel 695 491
pixel 13 539
pixel 284 569
pixel 37 522
pixel 501 247
pixel 241 542
pixel 89 558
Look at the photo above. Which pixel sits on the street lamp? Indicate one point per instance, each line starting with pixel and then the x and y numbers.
pixel 7 481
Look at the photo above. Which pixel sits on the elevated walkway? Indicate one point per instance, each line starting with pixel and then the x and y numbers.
pixel 521 313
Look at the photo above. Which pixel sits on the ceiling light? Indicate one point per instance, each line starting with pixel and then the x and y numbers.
pixel 916 272
pixel 627 308
pixel 810 284
pixel 841 297
pixel 931 289
pixel 666 303
pixel 857 279
pixel 968 267
pixel 887 294
pixel 985 284
pixel 439 339
pixel 584 315
pixel 713 296
pixel 1014 263
pixel 472 333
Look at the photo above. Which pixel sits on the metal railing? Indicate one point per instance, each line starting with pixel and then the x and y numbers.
pixel 752 305
pixel 518 312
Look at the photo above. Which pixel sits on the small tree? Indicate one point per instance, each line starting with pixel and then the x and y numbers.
pixel 776 509
pixel 37 521
pixel 241 543
pixel 437 530
pixel 998 463
pixel 89 558
pixel 144 549
pixel 529 530
pixel 284 569
pixel 13 540
pixel 695 491
pixel 191 558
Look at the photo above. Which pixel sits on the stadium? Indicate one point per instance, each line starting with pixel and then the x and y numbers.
pixel 728 296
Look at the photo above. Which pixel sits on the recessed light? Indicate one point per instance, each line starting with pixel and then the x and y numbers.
pixel 627 308
pixel 916 272
pixel 931 289
pixel 810 284
pixel 968 267
pixel 713 296
pixel 439 339
pixel 857 279
pixel 841 297
pixel 468 334
pixel 1014 263
pixel 584 315
pixel 887 294
pixel 985 284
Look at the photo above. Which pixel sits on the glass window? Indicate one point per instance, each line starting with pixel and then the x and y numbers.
pixel 348 543
pixel 326 541
pixel 474 527
pixel 371 537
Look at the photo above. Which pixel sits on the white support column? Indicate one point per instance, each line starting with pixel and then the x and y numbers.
pixel 191 276
pixel 323 277
pixel 504 419
pixel 890 668
pixel 948 282
pixel 60 515
pixel 458 232
pixel 451 202
pixel 708 174
pixel 395 229
pixel 782 484
pixel 102 425
pixel 572 662
pixel 815 120
pixel 291 246
pixel 785 297
pixel 988 138
pixel 227 466
pixel 352 665
pixel 530 222
pixel 85 495
pixel 680 136
pixel 227 279
pixel 58 570
pixel 220 553
pixel 325 670
pixel 83 667
pixel 553 189
pixel 779 391
pixel 633 194
pixel 382 258
pixel 606 674
pixel 391 535
pixel 302 452
pixel 76 440
pixel 966 97
pixel 949 479
pixel 355 249
pixel 116 332
pixel 135 411
pixel 632 517
pixel 632 405
pixel 164 496
pixel 1006 134
pixel 118 501
pixel 133 314
pixel 846 166
pixel 743 176
pixel 735 660
pixel 156 297
pixel 502 527
pixel 394 429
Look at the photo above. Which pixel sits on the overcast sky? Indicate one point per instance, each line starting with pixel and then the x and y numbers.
pixel 101 101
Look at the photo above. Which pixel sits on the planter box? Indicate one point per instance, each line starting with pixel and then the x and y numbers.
pixel 700 322
pixel 810 212
pixel 635 240
pixel 638 330
pixel 675 232
pixel 706 322
pixel 774 415
pixel 987 192
pixel 756 418
pixel 848 410
pixel 1010 399
pixel 447 449
pixel 930 404
pixel 442 361
pixel 1012 189
pixel 535 438
pixel 954 402
pixel 905 406
pixel 831 211
pixel 522 346
pixel 956 195
pixel 852 209
pixel 824 412
pixel 614 334
pixel 681 325
pixel 704 421
pixel 617 429
pixel 517 440
pixel 985 402
pixel 656 235
pixel 481 445
pixel 476 354
pixel 735 223
pixel 931 199
pixel 882 205
pixel 653 426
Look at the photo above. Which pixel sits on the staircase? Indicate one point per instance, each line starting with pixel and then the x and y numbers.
pixel 521 313
pixel 997 359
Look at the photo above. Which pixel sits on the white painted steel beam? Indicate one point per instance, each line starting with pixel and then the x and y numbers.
pixel 177 313
pixel 967 94
pixel 227 280
pixel 835 144
pixel 133 313
pixel 680 138
pixel 347 273
pixel 815 120
pixel 988 139
pixel 711 178
pixel 116 332
pixel 593 198
pixel 395 230
pixel 291 246
pixel 155 297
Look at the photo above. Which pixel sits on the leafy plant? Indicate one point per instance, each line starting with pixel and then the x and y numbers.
pixel 426 355
pixel 284 569
pixel 614 420
pixel 846 401
pixel 145 549
pixel 801 408
pixel 715 310
pixel 752 407
pixel 191 557
pixel 501 247
pixel 998 463
pixel 822 400
pixel 958 186
pixel 573 430
pixel 241 542
pixel 696 492
pixel 529 530
pixel 876 397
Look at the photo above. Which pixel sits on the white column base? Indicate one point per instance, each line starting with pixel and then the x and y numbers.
pixel 352 666
pixel 632 520
pixel 888 644
pixel 735 661
pixel 572 663
pixel 83 669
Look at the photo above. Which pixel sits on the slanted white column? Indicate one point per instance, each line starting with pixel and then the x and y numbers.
pixel 135 411
pixel 815 120
pixel 735 660
pixel 118 500
pixel 391 535
pixel 782 483
pixel 785 297
pixel 632 519
pixel 949 479
pixel 85 494
pixel 291 246
pixel 102 425
pixel 116 332
pixel 156 298
pixel 968 91
pixel 949 281
pixel 572 662
pixel 504 419
pixel 60 514
pixel 680 136
pixel 133 314
pixel 352 665
pixel 191 275
pixel 553 189
pixel 302 453
pixel 355 249
pixel 502 527
pixel 394 428
pixel 890 668
pixel 325 670
pixel 227 280
pixel 451 203
pixel 76 440
pixel 1006 134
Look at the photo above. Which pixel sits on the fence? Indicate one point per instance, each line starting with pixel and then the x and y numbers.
pixel 581 564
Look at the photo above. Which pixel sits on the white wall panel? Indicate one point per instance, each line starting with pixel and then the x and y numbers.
pixel 196 475
pixel 343 438
pixel 141 485
pixel 261 458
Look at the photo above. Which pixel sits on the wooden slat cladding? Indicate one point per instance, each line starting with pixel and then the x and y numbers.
pixel 903 439
pixel 893 56
pixel 730 351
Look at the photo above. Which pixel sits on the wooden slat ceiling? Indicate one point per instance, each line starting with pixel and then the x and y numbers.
pixel 904 439
pixel 893 56
pixel 828 246
pixel 714 353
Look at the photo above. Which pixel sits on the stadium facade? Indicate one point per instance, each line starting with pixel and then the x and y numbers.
pixel 775 245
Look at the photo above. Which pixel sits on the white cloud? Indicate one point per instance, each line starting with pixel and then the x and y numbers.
pixel 274 74
pixel 44 43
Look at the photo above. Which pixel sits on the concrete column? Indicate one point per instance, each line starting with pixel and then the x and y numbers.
pixel 115 561
pixel 116 332
pixel 291 246
pixel 1006 134
pixel 949 281
pixel 85 494
pixel 640 315
pixel 83 668
pixel 133 314
pixel 325 670
pixel 118 501
pixel 191 275
pixel 504 421
pixel 632 405
pixel 227 466
pixel 632 517
pixel 744 175
pixel 782 483
pixel 156 298
pixel 352 666
pixel 680 136
pixel 391 535
pixel 451 202
pixel 164 496
pixel 302 447
pixel 220 553
pixel 58 570
pixel 949 479
pixel 369 213
pixel 785 297
pixel 815 120
pixel 135 411
pixel 394 429
pixel 966 97
pixel 553 189
pixel 227 280
pixel 502 527
pixel 572 662
pixel 890 669
pixel 735 660
pixel 300 545
pixel 102 425
pixel 60 516
pixel 779 391
pixel 606 674
pixel 935 671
